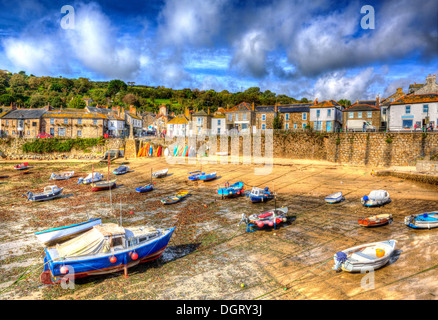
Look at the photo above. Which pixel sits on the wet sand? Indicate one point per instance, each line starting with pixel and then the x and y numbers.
pixel 210 256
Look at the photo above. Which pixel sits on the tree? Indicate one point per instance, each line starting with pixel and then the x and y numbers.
pixel 116 86
pixel 278 122
pixel 130 99
pixel 6 99
pixel 346 103
pixel 34 82
pixel 17 80
pixel 77 103
pixel 37 101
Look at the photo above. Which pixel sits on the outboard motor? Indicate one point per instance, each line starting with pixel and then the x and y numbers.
pixel 80 180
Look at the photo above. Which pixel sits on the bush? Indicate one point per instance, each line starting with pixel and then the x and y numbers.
pixel 60 145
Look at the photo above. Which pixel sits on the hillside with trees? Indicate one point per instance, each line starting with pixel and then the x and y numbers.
pixel 30 91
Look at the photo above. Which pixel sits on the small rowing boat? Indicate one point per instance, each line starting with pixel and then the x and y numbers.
pixel 160 174
pixel 428 220
pixel 207 177
pixel 56 235
pixel 228 191
pixel 375 221
pixel 92 177
pixel 121 170
pixel 22 166
pixel 269 218
pixel 103 185
pixel 176 198
pixel 334 197
pixel 49 193
pixel 62 176
pixel 365 257
pixel 145 188
pixel 376 198
pixel 195 176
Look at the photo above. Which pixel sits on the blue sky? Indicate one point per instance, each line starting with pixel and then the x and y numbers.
pixel 312 49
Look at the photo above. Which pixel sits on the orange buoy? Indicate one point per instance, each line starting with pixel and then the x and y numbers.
pixel 113 259
pixel 380 253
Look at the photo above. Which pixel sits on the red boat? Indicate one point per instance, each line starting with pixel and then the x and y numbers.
pixel 21 166
pixel 103 185
pixel 374 221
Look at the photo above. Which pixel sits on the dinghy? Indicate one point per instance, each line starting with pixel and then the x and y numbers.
pixel 260 195
pixel 228 191
pixel 195 176
pixel 56 235
pixel 207 177
pixel 160 174
pixel 92 177
pixel 62 176
pixel 145 188
pixel 121 170
pixel 334 197
pixel 365 257
pixel 49 193
pixel 22 166
pixel 176 198
pixel 269 218
pixel 428 220
pixel 376 198
pixel 375 221
pixel 106 248
pixel 103 185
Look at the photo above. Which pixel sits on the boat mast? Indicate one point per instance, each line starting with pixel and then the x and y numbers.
pixel 108 165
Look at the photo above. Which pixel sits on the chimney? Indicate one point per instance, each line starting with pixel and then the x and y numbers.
pixel 377 101
pixel 316 101
pixel 228 107
pixel 253 107
pixel 132 109
pixel 208 110
pixel 276 108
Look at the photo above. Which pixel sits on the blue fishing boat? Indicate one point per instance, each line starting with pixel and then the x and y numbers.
pixel 428 220
pixel 207 177
pixel 334 197
pixel 228 191
pixel 145 188
pixel 121 170
pixel 50 192
pixel 106 248
pixel 196 175
pixel 260 195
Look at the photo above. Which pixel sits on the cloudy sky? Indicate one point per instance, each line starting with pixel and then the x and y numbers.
pixel 313 49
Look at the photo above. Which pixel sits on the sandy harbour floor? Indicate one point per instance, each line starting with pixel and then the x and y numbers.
pixel 209 255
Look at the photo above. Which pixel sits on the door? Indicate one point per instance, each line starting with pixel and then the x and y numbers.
pixel 329 126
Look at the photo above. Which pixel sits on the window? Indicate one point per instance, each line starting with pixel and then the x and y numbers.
pixel 359 114
pixel 369 114
pixel 318 113
pixel 287 116
pixel 79 133
pixel 286 126
pixel 244 116
pixel 304 116
pixel 28 133
pixel 407 124
pixel 329 112
pixel 7 122
pixel 425 108
pixel 79 121
pixel 52 121
pixel 263 126
pixel 34 124
pixel 237 117
pixel 218 130
pixel 52 131
pixel 13 133
pixel 61 132
pixel 295 126
pixel 263 117
pixel 408 109
pixel 318 125
pixel 383 110
pixel 351 115
pixel 230 117
pixel 65 121
pixel 218 122
pixel 304 125
pixel 95 122
pixel 199 121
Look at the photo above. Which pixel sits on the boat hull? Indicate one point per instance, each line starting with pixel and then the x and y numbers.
pixel 103 187
pixel 144 189
pixel 89 265
pixel 418 221
pixel 45 197
pixel 370 222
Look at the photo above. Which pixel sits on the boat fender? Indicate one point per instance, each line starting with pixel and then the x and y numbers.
pixel 113 259
pixel 270 223
pixel 425 215
pixel 365 198
pixel 260 224
pixel 134 256
pixel 340 258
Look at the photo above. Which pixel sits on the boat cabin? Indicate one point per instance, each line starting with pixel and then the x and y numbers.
pixel 51 189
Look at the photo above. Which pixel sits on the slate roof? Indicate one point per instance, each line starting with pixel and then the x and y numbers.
pixel 25 114
pixel 179 119
pixel 326 104
pixel 364 105
pixel 201 113
pixel 243 105
pixel 416 98
pixel 75 115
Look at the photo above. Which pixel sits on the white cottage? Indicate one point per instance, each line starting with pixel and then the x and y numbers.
pixel 326 116
pixel 416 110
